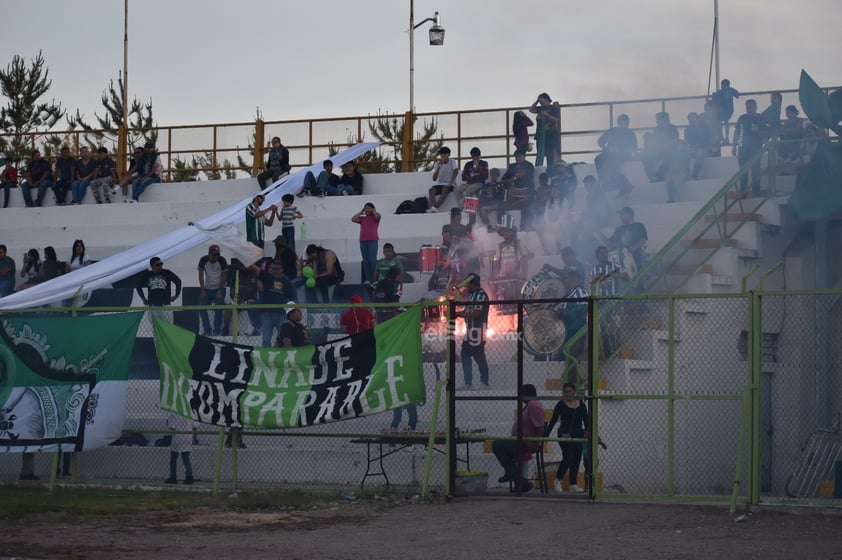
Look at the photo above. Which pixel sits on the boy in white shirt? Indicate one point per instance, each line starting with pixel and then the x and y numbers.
pixel 445 172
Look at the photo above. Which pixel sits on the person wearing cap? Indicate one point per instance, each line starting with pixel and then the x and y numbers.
pixel 475 314
pixel 213 275
pixel 257 219
pixel 792 131
pixel 474 176
pixel 548 133
pixel 148 171
pixel 293 332
pixel 275 291
pixel 357 319
pixel 38 175
pixel 445 171
pixel 629 236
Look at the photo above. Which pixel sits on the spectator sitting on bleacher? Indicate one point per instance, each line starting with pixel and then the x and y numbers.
pixel 474 176
pixel 351 177
pixel 630 236
pixel 455 227
pixel 148 171
pixel 38 175
pixel 445 171
pixel 563 178
pixel 326 184
pixel 491 196
pixel 519 180
pixel 792 130
pixel 389 260
pixel 388 291
pixel 443 279
pixel 29 270
pixel 659 146
pixel 85 173
pixel 326 271
pixel 131 174
pixel 51 266
pixel 7 273
pixel 809 145
pixel 106 176
pixel 65 174
pixel 277 164
pixel 288 258
pixel 619 145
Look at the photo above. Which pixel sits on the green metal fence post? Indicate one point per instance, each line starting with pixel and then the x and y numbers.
pixel 671 401
pixel 431 440
pixel 756 335
pixel 593 380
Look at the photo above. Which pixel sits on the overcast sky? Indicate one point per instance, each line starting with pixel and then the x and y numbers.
pixel 204 61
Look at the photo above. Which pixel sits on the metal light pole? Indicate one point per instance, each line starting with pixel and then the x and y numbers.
pixel 716 38
pixel 123 139
pixel 436 39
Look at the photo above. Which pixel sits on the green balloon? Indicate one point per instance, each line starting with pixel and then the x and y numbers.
pixel 307 271
pixel 311 282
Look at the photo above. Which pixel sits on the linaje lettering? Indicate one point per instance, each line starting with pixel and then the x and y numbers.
pixel 234 385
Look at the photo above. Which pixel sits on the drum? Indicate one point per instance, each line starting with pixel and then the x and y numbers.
pixel 507 289
pixel 543 332
pixel 430 256
pixel 546 284
pixel 470 205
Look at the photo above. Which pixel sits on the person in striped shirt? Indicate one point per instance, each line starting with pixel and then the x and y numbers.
pixel 475 314
pixel 608 271
pixel 257 219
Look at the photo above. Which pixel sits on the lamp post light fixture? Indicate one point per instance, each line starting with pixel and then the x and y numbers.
pixel 436 39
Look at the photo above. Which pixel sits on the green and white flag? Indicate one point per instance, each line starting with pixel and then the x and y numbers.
pixel 234 385
pixel 63 380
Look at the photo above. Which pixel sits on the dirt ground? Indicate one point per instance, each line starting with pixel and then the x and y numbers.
pixel 481 528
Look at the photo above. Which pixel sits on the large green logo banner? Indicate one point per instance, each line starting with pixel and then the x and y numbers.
pixel 63 380
pixel 234 385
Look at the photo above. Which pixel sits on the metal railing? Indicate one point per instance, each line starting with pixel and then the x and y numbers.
pixel 191 152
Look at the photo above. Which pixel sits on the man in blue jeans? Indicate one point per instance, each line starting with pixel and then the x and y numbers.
pixel 148 171
pixel 476 322
pixel 38 175
pixel 213 275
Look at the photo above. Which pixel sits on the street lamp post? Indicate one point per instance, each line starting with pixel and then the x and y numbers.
pixel 436 39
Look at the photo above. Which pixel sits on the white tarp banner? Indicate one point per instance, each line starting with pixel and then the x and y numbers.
pixel 107 271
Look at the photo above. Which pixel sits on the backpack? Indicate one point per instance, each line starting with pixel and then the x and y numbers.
pixel 417 206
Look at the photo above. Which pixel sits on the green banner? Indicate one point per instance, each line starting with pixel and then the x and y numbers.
pixel 63 380
pixel 233 385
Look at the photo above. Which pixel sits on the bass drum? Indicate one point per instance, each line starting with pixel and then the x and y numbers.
pixel 544 285
pixel 543 332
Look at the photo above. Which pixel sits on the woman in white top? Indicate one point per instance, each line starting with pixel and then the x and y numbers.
pixel 78 257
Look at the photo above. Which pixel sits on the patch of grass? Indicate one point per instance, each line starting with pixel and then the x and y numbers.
pixel 19 501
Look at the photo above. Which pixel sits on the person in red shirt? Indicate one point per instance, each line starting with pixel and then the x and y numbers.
pixel 8 180
pixel 357 319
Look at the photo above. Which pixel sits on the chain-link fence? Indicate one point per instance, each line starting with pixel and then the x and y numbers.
pixel 688 394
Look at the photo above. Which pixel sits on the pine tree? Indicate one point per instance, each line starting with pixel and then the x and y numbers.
pixel 23 86
pixel 389 130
